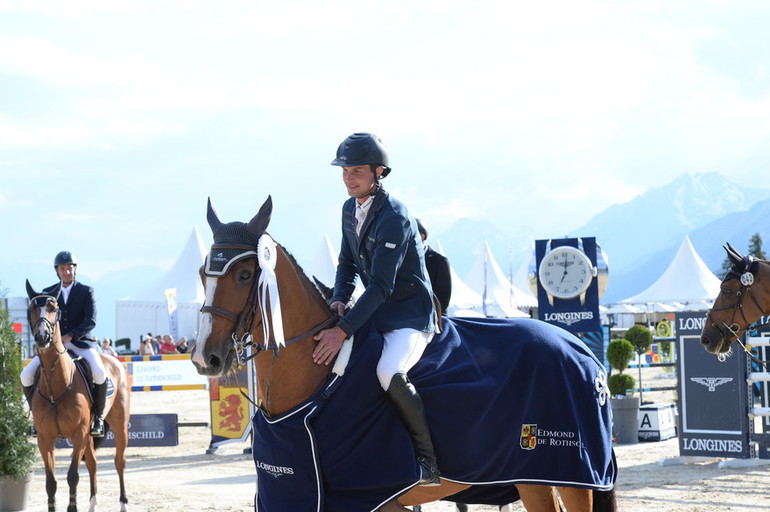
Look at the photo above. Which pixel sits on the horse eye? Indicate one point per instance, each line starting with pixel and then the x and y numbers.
pixel 245 275
pixel 726 291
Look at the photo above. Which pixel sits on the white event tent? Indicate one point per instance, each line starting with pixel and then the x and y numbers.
pixel 687 283
pixel 500 297
pixel 148 312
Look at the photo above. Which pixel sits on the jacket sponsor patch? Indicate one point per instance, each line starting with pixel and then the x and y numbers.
pixel 390 245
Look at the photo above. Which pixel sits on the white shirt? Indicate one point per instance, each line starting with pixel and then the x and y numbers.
pixel 65 292
pixel 362 210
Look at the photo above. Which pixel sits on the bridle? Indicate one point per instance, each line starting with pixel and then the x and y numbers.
pixel 247 319
pixel 50 326
pixel 746 278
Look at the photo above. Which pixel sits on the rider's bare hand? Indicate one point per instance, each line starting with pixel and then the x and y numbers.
pixel 338 307
pixel 329 344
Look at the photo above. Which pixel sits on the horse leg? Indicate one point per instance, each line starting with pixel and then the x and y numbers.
pixel 91 465
pixel 73 477
pixel 538 498
pixel 576 500
pixel 121 441
pixel 46 448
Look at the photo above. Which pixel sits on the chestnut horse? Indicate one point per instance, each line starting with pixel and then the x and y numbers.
pixel 743 299
pixel 233 319
pixel 61 405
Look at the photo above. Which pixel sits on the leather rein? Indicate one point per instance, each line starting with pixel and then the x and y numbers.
pixel 248 319
pixel 734 328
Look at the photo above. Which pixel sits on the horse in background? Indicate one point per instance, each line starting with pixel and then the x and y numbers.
pixel 744 297
pixel 61 405
pixel 235 318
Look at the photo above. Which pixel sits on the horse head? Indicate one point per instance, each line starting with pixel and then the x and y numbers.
pixel 43 316
pixel 732 314
pixel 230 275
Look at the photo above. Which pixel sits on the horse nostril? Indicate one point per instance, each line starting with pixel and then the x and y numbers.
pixel 214 361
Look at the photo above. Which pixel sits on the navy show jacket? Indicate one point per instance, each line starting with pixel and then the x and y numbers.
pixel 388 258
pixel 78 315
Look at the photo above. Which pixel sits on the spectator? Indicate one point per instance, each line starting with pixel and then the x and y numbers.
pixel 146 348
pixel 107 347
pixel 181 345
pixel 157 341
pixel 168 346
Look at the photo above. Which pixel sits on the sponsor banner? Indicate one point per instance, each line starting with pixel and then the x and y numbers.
pixel 713 399
pixel 570 314
pixel 143 430
pixel 163 372
pixel 231 411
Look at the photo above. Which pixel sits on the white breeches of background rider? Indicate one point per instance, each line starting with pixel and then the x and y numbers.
pixel 401 350
pixel 91 355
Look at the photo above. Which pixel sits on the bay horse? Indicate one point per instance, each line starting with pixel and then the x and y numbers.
pixel 61 405
pixel 744 297
pixel 235 316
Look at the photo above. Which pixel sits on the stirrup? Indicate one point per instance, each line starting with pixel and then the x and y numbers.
pixel 32 431
pixel 97 430
pixel 429 474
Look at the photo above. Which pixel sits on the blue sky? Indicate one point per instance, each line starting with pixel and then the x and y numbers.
pixel 118 119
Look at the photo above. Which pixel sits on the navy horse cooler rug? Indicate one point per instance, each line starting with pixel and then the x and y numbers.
pixel 508 401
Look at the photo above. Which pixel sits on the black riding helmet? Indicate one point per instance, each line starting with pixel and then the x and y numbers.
pixel 361 149
pixel 64 258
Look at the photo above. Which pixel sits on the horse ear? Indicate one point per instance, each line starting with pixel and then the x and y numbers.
pixel 30 291
pixel 258 224
pixel 733 254
pixel 326 292
pixel 211 216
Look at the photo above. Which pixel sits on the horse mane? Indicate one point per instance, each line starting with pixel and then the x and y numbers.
pixel 303 276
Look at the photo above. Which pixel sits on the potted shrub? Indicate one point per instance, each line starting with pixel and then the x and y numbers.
pixel 17 453
pixel 625 407
pixel 641 338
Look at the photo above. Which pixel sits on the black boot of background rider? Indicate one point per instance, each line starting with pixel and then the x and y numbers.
pixel 29 392
pixel 100 398
pixel 409 406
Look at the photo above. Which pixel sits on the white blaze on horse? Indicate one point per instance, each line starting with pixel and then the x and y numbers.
pixel 61 405
pixel 744 297
pixel 260 306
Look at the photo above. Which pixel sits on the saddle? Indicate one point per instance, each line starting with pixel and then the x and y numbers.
pixel 84 370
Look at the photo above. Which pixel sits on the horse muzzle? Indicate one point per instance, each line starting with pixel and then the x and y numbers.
pixel 211 363
pixel 715 341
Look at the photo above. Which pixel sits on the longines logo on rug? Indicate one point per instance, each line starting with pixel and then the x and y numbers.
pixel 274 471
pixel 531 436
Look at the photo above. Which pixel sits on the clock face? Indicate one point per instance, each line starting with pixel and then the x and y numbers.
pixel 565 272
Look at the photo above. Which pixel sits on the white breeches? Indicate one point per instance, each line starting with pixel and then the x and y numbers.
pixel 91 355
pixel 401 350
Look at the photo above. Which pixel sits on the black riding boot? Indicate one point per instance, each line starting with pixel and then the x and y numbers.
pixel 29 392
pixel 100 398
pixel 409 406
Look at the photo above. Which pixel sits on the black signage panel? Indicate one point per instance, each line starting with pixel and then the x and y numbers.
pixel 143 430
pixel 575 314
pixel 713 403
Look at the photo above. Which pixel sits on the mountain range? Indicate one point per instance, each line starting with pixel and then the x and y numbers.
pixel 639 238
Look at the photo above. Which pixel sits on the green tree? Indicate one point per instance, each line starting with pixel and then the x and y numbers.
pixel 17 453
pixel 755 247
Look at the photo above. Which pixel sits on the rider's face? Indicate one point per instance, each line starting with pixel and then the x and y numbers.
pixel 359 180
pixel 66 273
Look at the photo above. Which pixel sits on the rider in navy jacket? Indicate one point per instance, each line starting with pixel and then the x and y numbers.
pixel 388 258
pixel 381 245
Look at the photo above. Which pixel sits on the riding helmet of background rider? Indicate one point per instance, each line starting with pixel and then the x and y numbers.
pixel 363 148
pixel 64 258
